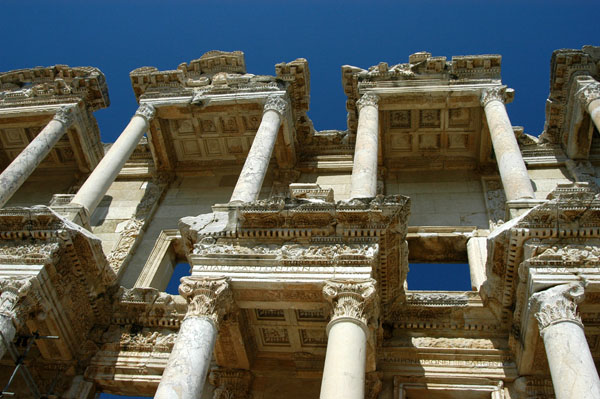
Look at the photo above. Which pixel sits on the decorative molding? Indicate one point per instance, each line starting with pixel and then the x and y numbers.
pixel 497 93
pixel 367 99
pixel 207 297
pixel 231 383
pixel 557 304
pixel 146 111
pixel 65 115
pixel 277 104
pixel 351 299
pixel 588 93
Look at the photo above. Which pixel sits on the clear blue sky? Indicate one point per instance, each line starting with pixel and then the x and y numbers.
pixel 118 37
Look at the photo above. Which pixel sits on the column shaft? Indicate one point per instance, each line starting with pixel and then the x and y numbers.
pixel 364 170
pixel 105 173
pixel 25 163
pixel 513 171
pixel 571 365
pixel 188 364
pixel 255 168
pixel 344 371
pixel 594 110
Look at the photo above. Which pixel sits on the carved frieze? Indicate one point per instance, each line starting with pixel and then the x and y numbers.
pixel 230 383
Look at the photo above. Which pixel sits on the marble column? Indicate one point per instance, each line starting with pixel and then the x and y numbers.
pixel 105 173
pixel 345 360
pixel 513 171
pixel 25 163
pixel 231 383
pixel 208 300
pixel 589 96
pixel 364 170
pixel 571 365
pixel 255 168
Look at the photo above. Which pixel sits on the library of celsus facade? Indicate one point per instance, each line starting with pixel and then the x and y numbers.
pixel 299 241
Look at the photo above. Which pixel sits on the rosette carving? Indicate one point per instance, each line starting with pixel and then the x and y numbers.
pixel 497 93
pixel 351 298
pixel 206 297
pixel 146 111
pixel 277 104
pixel 557 304
pixel 65 115
pixel 367 99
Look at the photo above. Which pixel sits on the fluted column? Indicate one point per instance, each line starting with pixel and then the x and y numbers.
pixel 571 365
pixel 255 168
pixel 25 163
pixel 231 383
pixel 364 170
pixel 513 171
pixel 208 300
pixel 589 96
pixel 105 173
pixel 344 371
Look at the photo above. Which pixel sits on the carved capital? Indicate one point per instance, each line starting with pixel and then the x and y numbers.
pixel 13 297
pixel 230 383
pixel 497 93
pixel 589 93
pixel 557 304
pixel 277 104
pixel 65 115
pixel 206 297
pixel 146 111
pixel 351 299
pixel 367 99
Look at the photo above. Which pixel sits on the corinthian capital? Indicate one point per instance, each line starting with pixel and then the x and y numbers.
pixel 146 111
pixel 557 304
pixel 206 297
pixel 351 298
pixel 277 104
pixel 497 93
pixel 589 93
pixel 367 99
pixel 65 115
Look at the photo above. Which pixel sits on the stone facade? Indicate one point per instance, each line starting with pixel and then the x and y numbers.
pixel 299 241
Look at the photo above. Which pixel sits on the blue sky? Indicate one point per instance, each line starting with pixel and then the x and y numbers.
pixel 118 37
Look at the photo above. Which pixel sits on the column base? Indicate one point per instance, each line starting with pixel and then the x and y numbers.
pixel 518 207
pixel 61 204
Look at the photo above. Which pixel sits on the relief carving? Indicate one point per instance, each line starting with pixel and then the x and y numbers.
pixel 65 115
pixel 146 111
pixel 206 297
pixel 367 99
pixel 231 383
pixel 277 104
pixel 557 304
pixel 351 299
pixel 497 93
pixel 589 93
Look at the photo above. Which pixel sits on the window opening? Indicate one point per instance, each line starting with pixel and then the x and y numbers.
pixel 439 277
pixel 180 270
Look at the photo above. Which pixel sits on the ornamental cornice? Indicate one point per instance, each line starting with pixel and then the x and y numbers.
pixel 557 304
pixel 367 99
pixel 65 115
pixel 589 93
pixel 277 104
pixel 146 111
pixel 354 299
pixel 207 297
pixel 497 93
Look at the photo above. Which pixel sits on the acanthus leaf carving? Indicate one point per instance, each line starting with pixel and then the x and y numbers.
pixel 277 104
pixel 65 115
pixel 353 299
pixel 367 99
pixel 146 111
pixel 497 93
pixel 230 383
pixel 207 297
pixel 589 93
pixel 557 304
